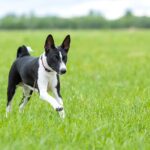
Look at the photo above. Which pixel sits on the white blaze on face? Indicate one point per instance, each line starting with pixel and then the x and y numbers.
pixel 62 64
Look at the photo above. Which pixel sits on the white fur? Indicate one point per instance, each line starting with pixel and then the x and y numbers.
pixel 8 109
pixel 26 91
pixel 45 62
pixel 62 64
pixel 59 99
pixel 31 88
pixel 29 49
pixel 44 79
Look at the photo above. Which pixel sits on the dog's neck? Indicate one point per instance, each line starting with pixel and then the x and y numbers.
pixel 45 64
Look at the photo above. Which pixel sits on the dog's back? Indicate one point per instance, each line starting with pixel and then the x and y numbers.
pixel 24 67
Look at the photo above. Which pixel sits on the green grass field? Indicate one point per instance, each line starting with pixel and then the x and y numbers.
pixel 106 93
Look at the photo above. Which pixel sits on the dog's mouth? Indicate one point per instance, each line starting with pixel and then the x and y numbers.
pixel 63 71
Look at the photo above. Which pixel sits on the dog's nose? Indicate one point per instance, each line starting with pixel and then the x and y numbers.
pixel 63 71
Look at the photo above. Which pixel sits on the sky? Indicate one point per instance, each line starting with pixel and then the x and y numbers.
pixel 111 9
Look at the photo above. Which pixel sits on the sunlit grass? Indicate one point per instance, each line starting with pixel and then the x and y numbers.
pixel 106 93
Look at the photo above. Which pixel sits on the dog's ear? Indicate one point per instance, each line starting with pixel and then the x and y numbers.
pixel 49 43
pixel 66 43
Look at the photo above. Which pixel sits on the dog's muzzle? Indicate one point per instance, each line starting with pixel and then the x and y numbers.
pixel 63 71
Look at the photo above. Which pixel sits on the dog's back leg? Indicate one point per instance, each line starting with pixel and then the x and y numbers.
pixel 26 97
pixel 13 81
pixel 10 94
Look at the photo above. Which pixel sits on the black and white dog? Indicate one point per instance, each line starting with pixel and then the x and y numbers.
pixel 39 74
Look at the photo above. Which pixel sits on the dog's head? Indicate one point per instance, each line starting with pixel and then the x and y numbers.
pixel 57 56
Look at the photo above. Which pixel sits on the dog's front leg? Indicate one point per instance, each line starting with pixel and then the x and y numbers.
pixel 59 108
pixel 55 87
pixel 45 96
pixel 58 97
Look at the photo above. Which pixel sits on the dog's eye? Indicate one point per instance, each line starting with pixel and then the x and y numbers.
pixel 64 58
pixel 56 57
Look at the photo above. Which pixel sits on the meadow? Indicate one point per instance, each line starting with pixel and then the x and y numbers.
pixel 106 93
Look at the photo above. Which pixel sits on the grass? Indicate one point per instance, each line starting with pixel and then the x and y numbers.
pixel 106 93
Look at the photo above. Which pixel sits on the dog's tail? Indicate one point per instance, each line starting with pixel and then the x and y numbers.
pixel 23 51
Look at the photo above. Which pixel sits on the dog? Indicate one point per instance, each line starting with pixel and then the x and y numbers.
pixel 40 74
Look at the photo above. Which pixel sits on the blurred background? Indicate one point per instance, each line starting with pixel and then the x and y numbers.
pixel 73 14
pixel 106 90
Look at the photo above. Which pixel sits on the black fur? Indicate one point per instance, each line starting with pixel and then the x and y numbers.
pixel 25 67
pixel 58 86
pixel 22 51
pixel 52 53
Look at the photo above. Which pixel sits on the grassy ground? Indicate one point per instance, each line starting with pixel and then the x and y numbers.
pixel 106 93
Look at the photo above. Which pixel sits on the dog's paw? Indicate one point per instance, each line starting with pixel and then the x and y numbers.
pixel 8 110
pixel 62 114
pixel 59 109
pixel 21 108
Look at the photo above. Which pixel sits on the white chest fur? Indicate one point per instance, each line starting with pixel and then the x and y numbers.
pixel 47 79
pixel 52 81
